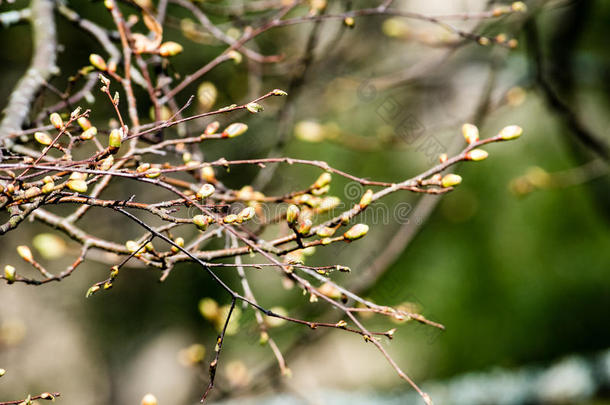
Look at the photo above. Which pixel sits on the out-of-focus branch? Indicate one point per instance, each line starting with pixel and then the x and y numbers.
pixel 40 70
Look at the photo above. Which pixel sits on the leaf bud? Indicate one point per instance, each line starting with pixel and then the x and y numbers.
pixel 356 232
pixel 205 191
pixel 43 138
pixel 170 48
pixel 9 275
pixel 450 180
pixel 292 214
pixel 470 132
pixel 56 120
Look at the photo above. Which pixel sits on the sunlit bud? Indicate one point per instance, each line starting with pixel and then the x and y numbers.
pixel 48 187
pixel 230 219
pixel 133 247
pixel 450 180
pixel 79 186
pixel 170 48
pixel 349 22
pixel 235 129
pixel 477 154
pixel 149 399
pixel 325 232
pixel 209 309
pixel 112 66
pixel 84 123
pixel 254 108
pixel 366 200
pixel 105 81
pixel 107 163
pixel 510 132
pixel 107 285
pixel 115 139
pixel 116 98
pixel 205 191
pixel 187 157
pixel 202 221
pixel 207 95
pixel 308 200
pixel 273 321
pixel 356 232
pixel 149 247
pixel 56 120
pixel 512 43
pixel 43 138
pixel 246 214
pixel 9 274
pixel 324 179
pixel 483 41
pixel 92 291
pixel 114 272
pixel 442 157
pixel 328 203
pixel 2 372
pixel 25 253
pixel 278 92
pixel 292 214
pixel 31 192
pixel 153 173
pixel 235 56
pixel 390 333
pixel 305 227
pixel 343 269
pixel 212 128
pixel 178 241
pixel 89 134
pixel 330 290
pixel 519 6
pixel 341 324
pixel 470 132
pixel 207 174
pixel 143 167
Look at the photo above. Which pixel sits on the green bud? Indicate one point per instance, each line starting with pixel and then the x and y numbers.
pixel 451 180
pixel 56 120
pixel 202 221
pixel 470 132
pixel 324 180
pixel 366 200
pixel 9 274
pixel 229 219
pixel 115 139
pixel 305 227
pixel 510 132
pixel 97 62
pixel 234 130
pixel 205 191
pixel 278 92
pixel 88 134
pixel 170 48
pixel 79 186
pixel 92 291
pixel 254 108
pixel 43 138
pixel 356 232
pixel 476 155
pixel 246 214
pixel 292 214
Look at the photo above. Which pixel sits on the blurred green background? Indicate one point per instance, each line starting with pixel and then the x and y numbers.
pixel 518 280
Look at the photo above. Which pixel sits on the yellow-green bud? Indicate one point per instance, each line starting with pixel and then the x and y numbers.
pixel 349 22
pixel 48 187
pixel 356 232
pixel 292 214
pixel 89 134
pixel 229 219
pixel 178 241
pixel 170 48
pixel 207 174
pixel 519 6
pixel 477 154
pixel 92 291
pixel 43 138
pixel 2 372
pixel 202 221
pixel 470 132
pixel 84 123
pixel 305 227
pixel 212 128
pixel 25 253
pixel 278 92
pixel 9 274
pixel 235 129
pixel 510 132
pixel 79 186
pixel 254 108
pixel 325 232
pixel 56 120
pixel 115 139
pixel 246 214
pixel 205 191
pixel 107 163
pixel 324 179
pixel 236 56
pixel 97 62
pixel 366 200
pixel 450 180
pixel 153 173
